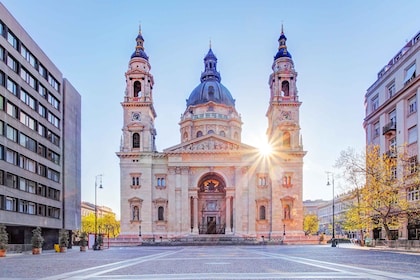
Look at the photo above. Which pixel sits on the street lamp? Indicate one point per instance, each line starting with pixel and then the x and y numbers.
pixel 95 245
pixel 333 207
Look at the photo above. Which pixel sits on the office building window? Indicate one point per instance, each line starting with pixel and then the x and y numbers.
pixel 412 134
pixel 54 101
pixel 42 111
pixel 11 110
pixel 27 99
pixel 53 119
pixel 53 82
pixel 412 104
pixel 391 89
pixel 12 39
pixel 12 63
pixel 410 74
pixel 27 77
pixel 42 90
pixel 2 79
pixel 27 55
pixel 375 102
pixel 11 86
pixel 11 133
pixel 413 193
pixel 376 130
pixel 413 164
pixel 42 71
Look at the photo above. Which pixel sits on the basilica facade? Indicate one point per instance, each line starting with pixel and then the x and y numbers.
pixel 211 182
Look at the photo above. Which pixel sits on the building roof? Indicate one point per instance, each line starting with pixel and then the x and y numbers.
pixel 139 50
pixel 210 88
pixel 282 52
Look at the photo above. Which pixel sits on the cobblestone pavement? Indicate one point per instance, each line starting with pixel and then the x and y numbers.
pixel 214 262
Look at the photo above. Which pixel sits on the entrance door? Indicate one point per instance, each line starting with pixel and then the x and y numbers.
pixel 211 225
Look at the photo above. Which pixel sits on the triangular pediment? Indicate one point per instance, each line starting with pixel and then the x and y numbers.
pixel 209 143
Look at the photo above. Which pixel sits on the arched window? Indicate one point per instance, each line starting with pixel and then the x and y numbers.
pixel 222 133
pixel 137 89
pixel 211 93
pixel 285 88
pixel 236 136
pixel 199 133
pixel 185 136
pixel 210 131
pixel 160 213
pixel 286 139
pixel 136 140
pixel 262 212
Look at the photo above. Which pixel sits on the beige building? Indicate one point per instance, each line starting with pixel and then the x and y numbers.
pixel 88 208
pixel 392 120
pixel 40 142
pixel 211 182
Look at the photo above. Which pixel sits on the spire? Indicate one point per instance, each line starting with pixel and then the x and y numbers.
pixel 139 50
pixel 210 70
pixel 282 52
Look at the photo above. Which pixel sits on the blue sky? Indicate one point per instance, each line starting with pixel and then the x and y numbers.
pixel 338 48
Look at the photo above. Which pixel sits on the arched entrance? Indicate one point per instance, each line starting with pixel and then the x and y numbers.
pixel 212 204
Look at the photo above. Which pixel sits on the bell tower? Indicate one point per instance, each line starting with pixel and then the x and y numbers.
pixel 283 113
pixel 283 134
pixel 139 114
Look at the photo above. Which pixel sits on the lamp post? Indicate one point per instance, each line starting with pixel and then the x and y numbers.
pixel 95 245
pixel 333 207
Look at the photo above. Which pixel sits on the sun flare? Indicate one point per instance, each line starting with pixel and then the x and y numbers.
pixel 265 149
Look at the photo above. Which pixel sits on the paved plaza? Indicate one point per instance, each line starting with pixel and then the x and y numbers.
pixel 214 262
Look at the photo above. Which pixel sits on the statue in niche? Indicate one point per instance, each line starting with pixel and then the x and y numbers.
pixel 287 212
pixel 135 213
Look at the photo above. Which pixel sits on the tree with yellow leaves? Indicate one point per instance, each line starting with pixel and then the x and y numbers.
pixel 378 181
pixel 310 224
pixel 106 224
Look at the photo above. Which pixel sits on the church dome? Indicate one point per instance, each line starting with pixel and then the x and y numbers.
pixel 210 88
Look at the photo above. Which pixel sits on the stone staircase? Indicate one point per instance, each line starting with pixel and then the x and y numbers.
pixel 211 240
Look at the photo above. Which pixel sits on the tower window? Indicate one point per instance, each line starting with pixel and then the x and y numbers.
pixel 136 140
pixel 136 181
pixel 287 181
pixel 285 88
pixel 199 133
pixel 262 181
pixel 161 182
pixel 137 89
pixel 222 133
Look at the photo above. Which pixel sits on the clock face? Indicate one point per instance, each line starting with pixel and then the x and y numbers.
pixel 286 115
pixel 135 116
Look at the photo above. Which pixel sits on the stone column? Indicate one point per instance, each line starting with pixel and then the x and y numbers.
pixel 228 216
pixel 195 211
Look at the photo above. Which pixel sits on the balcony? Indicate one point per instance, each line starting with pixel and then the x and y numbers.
pixel 389 128
pixel 391 153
